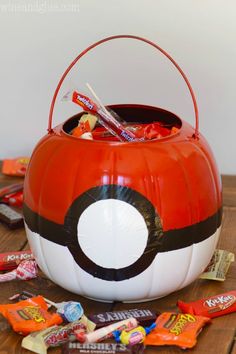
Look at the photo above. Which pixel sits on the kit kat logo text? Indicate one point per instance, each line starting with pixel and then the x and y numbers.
pixel 219 300
pixel 18 257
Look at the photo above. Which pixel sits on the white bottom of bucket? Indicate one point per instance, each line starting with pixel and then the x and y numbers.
pixel 169 271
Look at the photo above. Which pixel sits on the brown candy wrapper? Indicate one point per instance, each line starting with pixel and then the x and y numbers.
pixel 218 266
pixel 10 217
pixel 101 348
pixel 145 317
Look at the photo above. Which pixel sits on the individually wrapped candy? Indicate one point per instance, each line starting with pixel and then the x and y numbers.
pixel 155 130
pixel 29 315
pixel 26 270
pixel 105 332
pixel 90 118
pixel 133 336
pixel 39 342
pixel 15 167
pixel 104 116
pixel 12 188
pixel 14 199
pixel 176 329
pixel 85 126
pixel 24 295
pixel 218 266
pixel 101 348
pixel 113 123
pixel 10 260
pixel 145 317
pixel 10 217
pixel 81 130
pixel 213 306
pixel 70 310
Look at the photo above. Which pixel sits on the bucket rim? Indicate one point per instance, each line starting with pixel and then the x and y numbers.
pixel 60 128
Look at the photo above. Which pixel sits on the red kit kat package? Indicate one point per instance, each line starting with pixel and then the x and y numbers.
pixel 10 260
pixel 213 306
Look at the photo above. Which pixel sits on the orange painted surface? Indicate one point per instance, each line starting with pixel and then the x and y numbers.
pixel 177 174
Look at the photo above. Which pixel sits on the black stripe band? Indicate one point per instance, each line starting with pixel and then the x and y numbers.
pixel 158 240
pixel 172 239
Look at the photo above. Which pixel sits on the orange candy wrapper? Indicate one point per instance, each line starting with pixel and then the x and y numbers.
pixel 82 128
pixel 29 315
pixel 15 167
pixel 176 329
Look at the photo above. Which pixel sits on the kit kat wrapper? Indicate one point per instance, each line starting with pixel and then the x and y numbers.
pixel 213 306
pixel 10 260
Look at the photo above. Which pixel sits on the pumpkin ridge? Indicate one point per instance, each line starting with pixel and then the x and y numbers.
pixel 186 179
pixel 208 157
pixel 187 269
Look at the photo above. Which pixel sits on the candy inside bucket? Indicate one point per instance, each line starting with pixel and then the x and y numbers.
pixel 145 121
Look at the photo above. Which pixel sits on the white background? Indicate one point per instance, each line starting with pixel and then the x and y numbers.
pixel 38 43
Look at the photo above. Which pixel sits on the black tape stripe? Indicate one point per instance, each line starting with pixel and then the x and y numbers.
pixel 171 240
pixel 189 235
pixel 47 229
pixel 158 240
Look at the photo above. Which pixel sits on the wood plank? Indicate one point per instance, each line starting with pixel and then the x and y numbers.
pixel 233 350
pixel 228 181
pixel 12 240
pixel 229 190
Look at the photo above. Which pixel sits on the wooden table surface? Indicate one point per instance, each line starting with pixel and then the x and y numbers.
pixel 217 338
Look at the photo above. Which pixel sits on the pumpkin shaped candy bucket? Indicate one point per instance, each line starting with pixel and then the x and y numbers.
pixel 125 221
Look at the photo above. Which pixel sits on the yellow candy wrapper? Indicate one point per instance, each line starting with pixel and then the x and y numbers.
pixel 218 266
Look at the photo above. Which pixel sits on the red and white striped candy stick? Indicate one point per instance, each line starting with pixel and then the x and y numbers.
pixel 26 270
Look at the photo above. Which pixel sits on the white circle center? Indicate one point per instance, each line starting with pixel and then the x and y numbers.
pixel 112 233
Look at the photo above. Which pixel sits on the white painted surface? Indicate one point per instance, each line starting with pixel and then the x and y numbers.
pixel 38 42
pixel 170 271
pixel 112 233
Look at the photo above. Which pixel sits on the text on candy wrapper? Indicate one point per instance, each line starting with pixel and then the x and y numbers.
pixel 220 300
pixel 85 101
pixel 14 257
